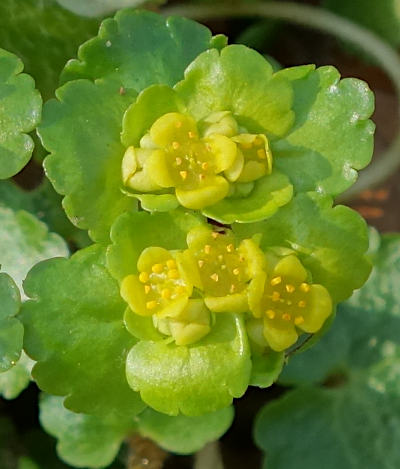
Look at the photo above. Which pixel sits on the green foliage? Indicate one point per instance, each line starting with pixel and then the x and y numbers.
pixel 92 441
pixel 17 378
pixel 20 112
pixel 86 162
pixel 11 330
pixel 353 421
pixel 74 330
pixel 93 8
pixel 44 36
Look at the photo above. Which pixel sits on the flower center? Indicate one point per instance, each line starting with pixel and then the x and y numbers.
pixel 162 284
pixel 222 268
pixel 285 300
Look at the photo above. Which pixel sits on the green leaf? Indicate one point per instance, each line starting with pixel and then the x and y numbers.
pixel 182 434
pixel 133 232
pixel 196 379
pixel 139 49
pixel 20 109
pixel 83 440
pixel 74 330
pixel 262 105
pixel 16 379
pixel 11 330
pixel 44 36
pixel 383 18
pixel 331 242
pixel 88 161
pixel 331 137
pixel 354 421
pixel 93 8
pixel 86 166
pixel 25 241
pixel 266 367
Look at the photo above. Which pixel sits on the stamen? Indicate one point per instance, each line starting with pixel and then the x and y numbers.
pixel 204 165
pixel 178 124
pixel 171 264
pixel 301 304
pixel 220 257
pixel 223 267
pixel 173 274
pixel 147 289
pixel 230 247
pixel 200 263
pixel 157 268
pixel 276 296
pixel 299 320
pixel 143 277
pixel 276 281
pixel 214 277
pixel 236 271
pixel 191 134
pixel 151 304
pixel 289 303
pixel 166 293
pixel 290 288
pixel 286 317
pixel 183 174
pixel 207 249
pixel 178 161
pixel 305 287
pixel 175 145
pixel 202 176
pixel 215 234
pixel 270 313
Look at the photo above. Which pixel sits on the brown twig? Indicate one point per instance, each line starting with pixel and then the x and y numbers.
pixel 144 454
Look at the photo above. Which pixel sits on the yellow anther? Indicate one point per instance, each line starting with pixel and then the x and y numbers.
pixel 178 124
pixel 157 268
pixel 202 176
pixel 151 304
pixel 204 165
pixel 166 293
pixel 276 296
pixel 178 161
pixel 258 141
pixel 276 281
pixel 301 304
pixel 230 247
pixel 207 249
pixel 289 303
pixel 171 264
pixel 200 263
pixel 270 313
pixel 180 289
pixel 299 320
pixel 305 287
pixel 220 257
pixel 241 259
pixel 223 267
pixel 261 154
pixel 183 174
pixel 214 277
pixel 233 288
pixel 173 274
pixel 236 271
pixel 191 134
pixel 290 288
pixel 215 234
pixel 147 289
pixel 175 145
pixel 286 317
pixel 143 277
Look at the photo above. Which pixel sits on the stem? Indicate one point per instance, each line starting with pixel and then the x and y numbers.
pixel 209 457
pixel 342 28
pixel 144 454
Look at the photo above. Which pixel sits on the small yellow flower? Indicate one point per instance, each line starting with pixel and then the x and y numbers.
pixel 287 303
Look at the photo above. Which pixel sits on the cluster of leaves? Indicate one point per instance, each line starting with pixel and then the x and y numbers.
pixel 109 373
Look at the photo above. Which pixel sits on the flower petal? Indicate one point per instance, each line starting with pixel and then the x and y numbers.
pixel 236 169
pixel 132 292
pixel 188 268
pixel 255 258
pixel 279 338
pixel 196 199
pixel 255 293
pixel 157 166
pixel 236 303
pixel 150 256
pixel 172 127
pixel 224 151
pixel 291 267
pixel 318 310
